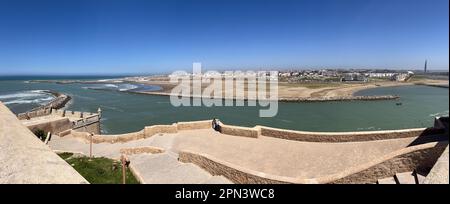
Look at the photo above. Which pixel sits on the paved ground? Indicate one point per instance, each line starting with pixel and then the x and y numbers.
pixel 265 154
pixel 286 157
pixel 42 119
pixel 165 168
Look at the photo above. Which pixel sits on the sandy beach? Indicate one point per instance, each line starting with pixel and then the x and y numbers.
pixel 304 91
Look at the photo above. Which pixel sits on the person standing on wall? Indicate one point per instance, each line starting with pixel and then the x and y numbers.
pixel 216 125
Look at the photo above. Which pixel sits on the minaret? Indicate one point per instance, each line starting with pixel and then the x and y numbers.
pixel 425 68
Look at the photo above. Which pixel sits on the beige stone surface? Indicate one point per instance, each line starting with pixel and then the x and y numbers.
pixel 285 157
pixel 439 174
pixel 26 159
pixel 264 154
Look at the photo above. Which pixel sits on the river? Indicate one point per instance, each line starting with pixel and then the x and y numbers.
pixel 124 111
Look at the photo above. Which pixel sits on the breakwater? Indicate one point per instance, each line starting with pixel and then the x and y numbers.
pixel 341 98
pixel 59 102
pixel 292 100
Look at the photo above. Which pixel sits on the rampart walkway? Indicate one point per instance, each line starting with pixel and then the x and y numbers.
pixel 264 154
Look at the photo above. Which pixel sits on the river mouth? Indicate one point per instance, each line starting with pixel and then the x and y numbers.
pixel 123 87
pixel 123 111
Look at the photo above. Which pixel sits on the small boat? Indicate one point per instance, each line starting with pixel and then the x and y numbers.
pixel 399 104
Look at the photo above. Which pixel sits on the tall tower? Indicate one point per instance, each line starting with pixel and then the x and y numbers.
pixel 425 68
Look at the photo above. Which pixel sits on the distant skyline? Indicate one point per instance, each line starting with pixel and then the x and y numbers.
pixel 160 36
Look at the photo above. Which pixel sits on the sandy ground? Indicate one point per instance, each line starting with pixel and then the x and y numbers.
pixel 287 90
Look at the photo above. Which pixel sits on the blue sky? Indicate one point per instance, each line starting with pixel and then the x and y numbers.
pixel 114 37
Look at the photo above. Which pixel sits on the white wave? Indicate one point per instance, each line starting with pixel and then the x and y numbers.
pixel 23 94
pixel 37 91
pixel 111 85
pixel 445 113
pixel 41 101
pixel 126 87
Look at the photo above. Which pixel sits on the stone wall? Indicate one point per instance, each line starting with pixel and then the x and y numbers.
pixel 34 114
pixel 91 128
pixel 420 158
pixel 146 132
pixel 346 136
pixel 91 122
pixel 55 126
pixel 239 131
pixel 205 124
pixel 439 173
pixel 257 131
pixel 159 129
pixel 26 159
pixel 234 173
pixel 140 150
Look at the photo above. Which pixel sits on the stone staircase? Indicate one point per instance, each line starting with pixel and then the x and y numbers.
pixel 164 168
pixel 403 178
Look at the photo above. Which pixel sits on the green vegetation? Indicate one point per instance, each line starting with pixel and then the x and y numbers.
pixel 99 170
pixel 41 134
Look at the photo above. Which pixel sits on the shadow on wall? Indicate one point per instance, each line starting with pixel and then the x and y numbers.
pixel 435 134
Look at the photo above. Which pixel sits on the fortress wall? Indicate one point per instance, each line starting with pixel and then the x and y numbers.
pixel 109 138
pixel 91 118
pixel 234 173
pixel 257 131
pixel 439 173
pixel 89 123
pixel 65 133
pixel 26 159
pixel 205 124
pixel 157 129
pixel 60 112
pixel 149 131
pixel 122 138
pixel 55 126
pixel 33 114
pixel 130 136
pixel 92 127
pixel 74 114
pixel 239 131
pixel 87 114
pixel 345 136
pixel 420 157
pixel 81 135
pixel 140 150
